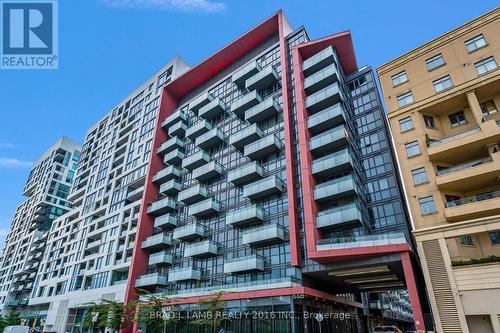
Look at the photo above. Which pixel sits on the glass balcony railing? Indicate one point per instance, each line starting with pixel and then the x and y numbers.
pixel 213 109
pixel 262 111
pixel 201 127
pixel 265 234
pixel 174 157
pixel 196 160
pixel 189 232
pixel 203 249
pixel 171 187
pixel 333 163
pixel 178 129
pixel 173 118
pixel 361 241
pixel 321 79
pixel 166 174
pixel 148 280
pixel 473 199
pixel 267 145
pixel 326 119
pixel 162 206
pixel 241 75
pixel 160 258
pixel 244 103
pixel 329 140
pixel 263 188
pixel 210 139
pixel 263 79
pixel 170 145
pixel 341 216
pixel 166 221
pixel 241 217
pixel 196 104
pixel 245 136
pixel 245 174
pixel 157 241
pixel 464 166
pixel 318 61
pixel 336 188
pixel 204 208
pixel 193 194
pixel 324 98
pixel 184 274
pixel 208 171
pixel 245 264
pixel 433 143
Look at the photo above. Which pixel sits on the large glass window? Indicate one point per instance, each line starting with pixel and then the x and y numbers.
pixel 488 108
pixel 399 78
pixel 495 237
pixel 412 149
pixel 443 83
pixel 457 119
pixel 405 124
pixel 466 240
pixel 429 121
pixel 434 62
pixel 427 205
pixel 485 65
pixel 405 99
pixel 475 43
pixel 419 176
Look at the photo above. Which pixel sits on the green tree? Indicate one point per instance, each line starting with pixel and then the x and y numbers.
pixel 213 305
pixel 111 314
pixel 13 318
pixel 151 313
pixel 3 323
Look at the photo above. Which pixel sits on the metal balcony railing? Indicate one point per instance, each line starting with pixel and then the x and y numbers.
pixel 473 199
pixel 433 143
pixel 361 241
pixel 465 165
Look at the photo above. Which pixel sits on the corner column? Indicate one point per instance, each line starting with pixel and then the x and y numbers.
pixel 411 285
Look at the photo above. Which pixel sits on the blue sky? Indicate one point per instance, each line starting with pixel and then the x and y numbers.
pixel 108 47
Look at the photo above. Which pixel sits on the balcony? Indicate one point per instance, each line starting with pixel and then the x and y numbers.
pixel 167 221
pixel 173 118
pixel 162 206
pixel 263 111
pixel 329 140
pixel 361 241
pixel 239 77
pixel 245 136
pixel 166 174
pixel 135 195
pixel 198 129
pixel 318 61
pixel 193 194
pixel 184 274
pixel 249 100
pixel 331 164
pixel 452 148
pixel 337 188
pixel 170 145
pixel 208 171
pixel 200 101
pixel 326 119
pixel 178 129
pixel 345 215
pixel 321 79
pixel 204 208
pixel 155 242
pixel 472 207
pixel 175 157
pixel 464 177
pixel 150 280
pixel 203 249
pixel 245 174
pixel 263 188
pixel 213 109
pixel 262 79
pixel 242 265
pixel 211 139
pixel 171 187
pixel 266 146
pixel 160 258
pixel 189 232
pixel 245 216
pixel 263 235
pixel 196 160
pixel 324 98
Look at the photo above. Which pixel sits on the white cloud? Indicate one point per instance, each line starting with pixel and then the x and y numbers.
pixel 4 232
pixel 207 6
pixel 13 163
pixel 7 145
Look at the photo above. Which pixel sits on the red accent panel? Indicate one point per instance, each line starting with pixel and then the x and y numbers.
pixel 289 143
pixel 224 57
pixel 416 309
pixel 341 42
pixel 138 265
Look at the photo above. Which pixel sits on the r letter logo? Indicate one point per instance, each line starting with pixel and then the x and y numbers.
pixel 29 34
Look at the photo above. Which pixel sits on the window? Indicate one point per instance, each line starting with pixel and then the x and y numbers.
pixel 399 78
pixel 429 121
pixel 495 237
pixel 405 99
pixel 405 124
pixel 466 240
pixel 427 205
pixel 419 176
pixel 412 149
pixel 475 43
pixel 443 83
pixel 434 62
pixel 485 65
pixel 457 119
pixel 488 108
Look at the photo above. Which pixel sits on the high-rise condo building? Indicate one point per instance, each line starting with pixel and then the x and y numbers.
pixel 272 178
pixel 442 102
pixel 46 190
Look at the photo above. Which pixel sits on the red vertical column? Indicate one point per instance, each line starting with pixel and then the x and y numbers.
pixel 289 151
pixel 138 265
pixel 411 285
